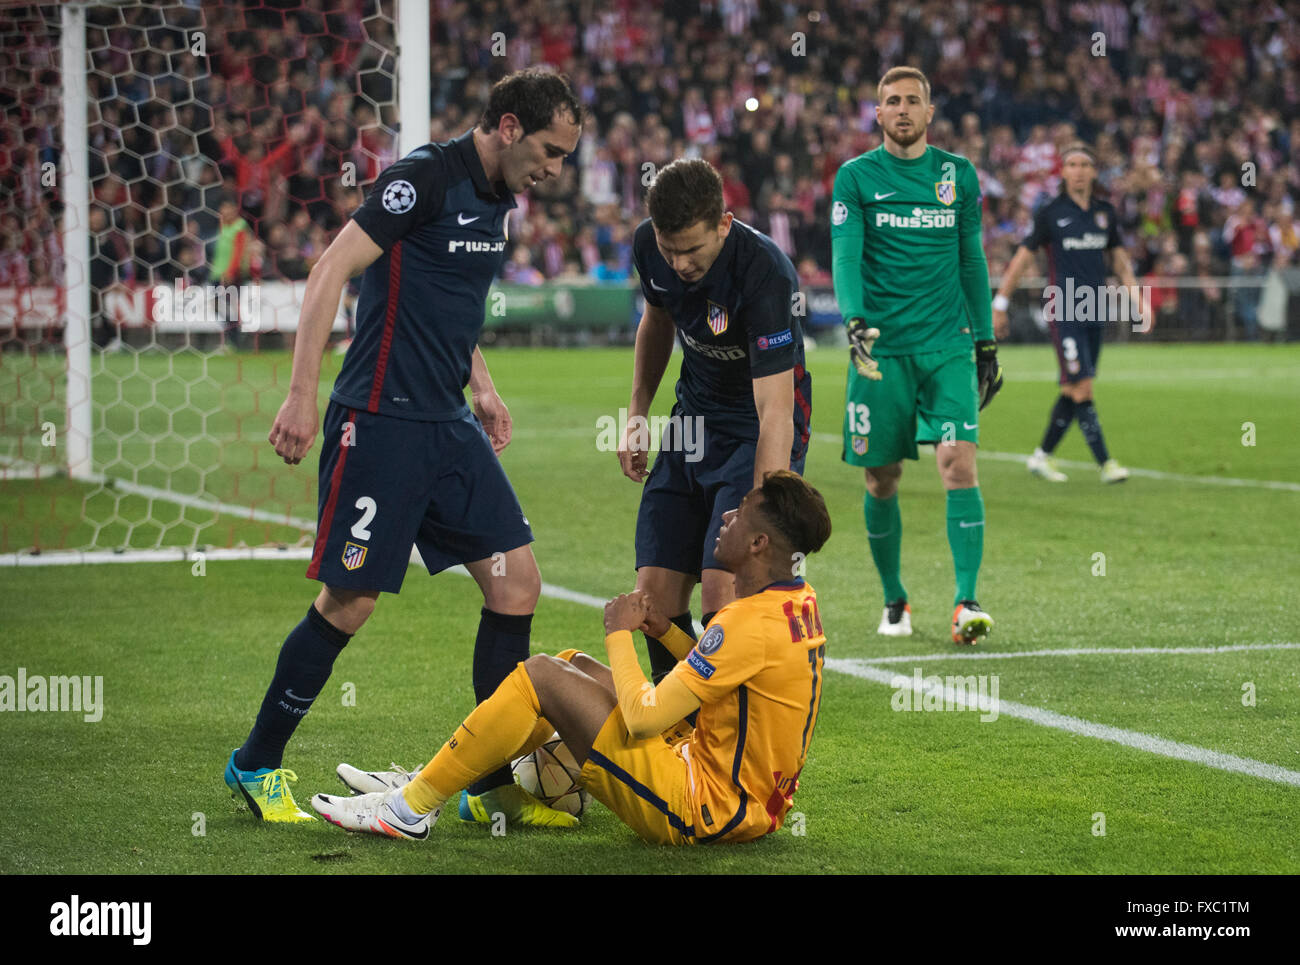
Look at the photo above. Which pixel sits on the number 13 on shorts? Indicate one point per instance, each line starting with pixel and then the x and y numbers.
pixel 857 426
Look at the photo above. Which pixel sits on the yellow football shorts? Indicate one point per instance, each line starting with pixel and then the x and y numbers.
pixel 644 782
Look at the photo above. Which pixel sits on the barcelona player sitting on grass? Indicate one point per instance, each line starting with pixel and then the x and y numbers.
pixel 754 677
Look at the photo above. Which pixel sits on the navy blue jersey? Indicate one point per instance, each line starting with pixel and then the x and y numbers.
pixel 443 231
pixel 1076 241
pixel 735 324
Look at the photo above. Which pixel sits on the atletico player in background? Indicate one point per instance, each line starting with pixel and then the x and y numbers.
pixel 1077 229
pixel 913 287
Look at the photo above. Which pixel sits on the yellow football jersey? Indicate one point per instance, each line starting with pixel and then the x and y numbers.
pixel 757 670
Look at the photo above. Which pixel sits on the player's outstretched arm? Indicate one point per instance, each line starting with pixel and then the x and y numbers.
pixel 1021 261
pixel 294 429
pixel 654 347
pixel 774 400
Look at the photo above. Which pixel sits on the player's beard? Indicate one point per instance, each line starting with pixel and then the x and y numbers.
pixel 906 138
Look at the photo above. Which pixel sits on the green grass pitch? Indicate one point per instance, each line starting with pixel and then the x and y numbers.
pixel 1191 564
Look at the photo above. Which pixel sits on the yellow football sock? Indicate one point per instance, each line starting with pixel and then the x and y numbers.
pixel 502 724
pixel 543 731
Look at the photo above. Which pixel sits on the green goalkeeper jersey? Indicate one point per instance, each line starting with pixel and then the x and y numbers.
pixel 907 252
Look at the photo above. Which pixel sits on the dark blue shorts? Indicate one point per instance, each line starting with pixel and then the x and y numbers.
pixel 1077 349
pixel 683 502
pixel 387 484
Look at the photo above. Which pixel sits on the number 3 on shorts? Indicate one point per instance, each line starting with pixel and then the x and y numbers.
pixel 859 418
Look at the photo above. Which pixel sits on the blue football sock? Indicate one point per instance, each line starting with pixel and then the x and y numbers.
pixel 1086 413
pixel 1062 415
pixel 501 645
pixel 306 659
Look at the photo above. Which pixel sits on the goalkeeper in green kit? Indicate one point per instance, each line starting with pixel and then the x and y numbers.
pixel 913 287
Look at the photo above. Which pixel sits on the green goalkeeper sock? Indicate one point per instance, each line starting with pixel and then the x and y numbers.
pixel 966 538
pixel 885 537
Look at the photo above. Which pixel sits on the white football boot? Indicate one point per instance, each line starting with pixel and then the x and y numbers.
pixel 1113 472
pixel 970 623
pixel 370 782
pixel 1044 467
pixel 896 621
pixel 373 813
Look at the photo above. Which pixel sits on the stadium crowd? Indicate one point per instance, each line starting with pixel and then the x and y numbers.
pixel 243 159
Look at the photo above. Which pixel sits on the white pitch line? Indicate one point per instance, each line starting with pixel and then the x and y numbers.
pixel 1177 375
pixel 1076 652
pixel 163 554
pixel 1075 725
pixel 1290 487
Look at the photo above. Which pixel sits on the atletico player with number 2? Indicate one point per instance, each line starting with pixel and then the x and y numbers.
pixel 405 460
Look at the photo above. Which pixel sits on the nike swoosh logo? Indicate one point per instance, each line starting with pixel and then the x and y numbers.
pixel 967 425
pixel 881 197
pixel 1062 222
pixel 460 218
pixel 969 525
pixel 871 535
pixel 302 700
pixel 405 831
pixel 656 287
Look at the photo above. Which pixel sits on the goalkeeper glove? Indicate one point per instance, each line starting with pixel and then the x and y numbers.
pixel 861 339
pixel 988 370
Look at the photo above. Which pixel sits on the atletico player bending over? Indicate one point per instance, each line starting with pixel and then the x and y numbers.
pixel 754 677
pixel 405 461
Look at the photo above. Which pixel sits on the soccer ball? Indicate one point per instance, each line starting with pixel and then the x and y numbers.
pixel 550 774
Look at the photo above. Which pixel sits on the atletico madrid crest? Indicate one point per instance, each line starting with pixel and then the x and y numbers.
pixel 717 318
pixel 946 191
pixel 353 555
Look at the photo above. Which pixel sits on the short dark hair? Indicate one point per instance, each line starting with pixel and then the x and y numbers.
pixel 534 96
pixel 684 193
pixel 796 510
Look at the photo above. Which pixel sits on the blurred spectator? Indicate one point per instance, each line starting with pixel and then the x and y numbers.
pixel 1247 236
pixel 1201 307
pixel 519 270
pixel 608 268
